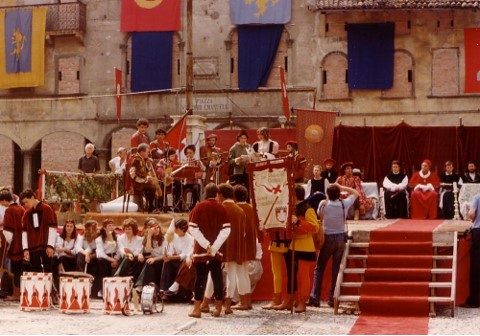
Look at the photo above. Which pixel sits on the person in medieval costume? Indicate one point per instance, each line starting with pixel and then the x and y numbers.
pixel 424 196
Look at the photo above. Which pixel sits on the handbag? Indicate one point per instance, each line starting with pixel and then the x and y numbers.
pixel 319 236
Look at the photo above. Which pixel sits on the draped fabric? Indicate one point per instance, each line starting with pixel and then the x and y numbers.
pixel 372 149
pixel 257 48
pixel 370 55
pixel 151 61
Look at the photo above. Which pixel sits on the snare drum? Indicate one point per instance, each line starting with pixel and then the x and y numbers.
pixel 116 292
pixel 35 290
pixel 75 295
pixel 148 301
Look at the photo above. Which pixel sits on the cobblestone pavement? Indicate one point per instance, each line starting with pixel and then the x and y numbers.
pixel 174 320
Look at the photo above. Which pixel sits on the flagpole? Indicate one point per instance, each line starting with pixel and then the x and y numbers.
pixel 189 60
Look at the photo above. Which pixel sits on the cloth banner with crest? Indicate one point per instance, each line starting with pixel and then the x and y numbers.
pixel 271 190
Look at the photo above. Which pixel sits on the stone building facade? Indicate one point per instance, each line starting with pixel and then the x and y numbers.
pixel 48 126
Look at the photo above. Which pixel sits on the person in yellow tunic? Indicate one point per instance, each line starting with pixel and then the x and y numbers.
pixel 302 251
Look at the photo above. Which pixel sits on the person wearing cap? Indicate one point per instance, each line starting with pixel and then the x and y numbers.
pixel 265 148
pixel 447 197
pixel 212 158
pixel 118 163
pixel 159 147
pixel 395 192
pixel 238 158
pixel 424 198
pixel 299 162
pixel 349 180
pixel 169 184
pixel 330 173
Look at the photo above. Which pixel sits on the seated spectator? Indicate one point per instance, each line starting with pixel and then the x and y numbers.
pixel 130 249
pixel 65 255
pixel 154 245
pixel 86 248
pixel 316 187
pixel 447 198
pixel 107 254
pixel 330 173
pixel 395 192
pixel 471 175
pixel 424 197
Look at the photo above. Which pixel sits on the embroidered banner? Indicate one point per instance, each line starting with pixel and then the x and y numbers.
pixel 22 37
pixel 472 60
pixel 370 55
pixel 271 191
pixel 260 11
pixel 150 15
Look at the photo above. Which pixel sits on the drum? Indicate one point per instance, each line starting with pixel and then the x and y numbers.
pixel 149 300
pixel 116 292
pixel 75 295
pixel 35 290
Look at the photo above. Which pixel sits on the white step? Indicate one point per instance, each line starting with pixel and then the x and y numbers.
pixel 365 256
pixel 431 284
pixel 362 270
pixel 356 298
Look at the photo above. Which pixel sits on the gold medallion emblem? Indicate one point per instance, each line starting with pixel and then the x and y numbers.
pixel 148 4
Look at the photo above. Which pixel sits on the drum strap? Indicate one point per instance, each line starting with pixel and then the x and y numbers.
pixel 136 305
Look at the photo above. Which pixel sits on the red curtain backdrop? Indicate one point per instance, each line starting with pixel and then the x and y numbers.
pixel 372 149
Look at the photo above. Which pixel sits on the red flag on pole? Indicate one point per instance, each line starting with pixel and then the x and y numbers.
pixel 177 135
pixel 285 104
pixel 118 91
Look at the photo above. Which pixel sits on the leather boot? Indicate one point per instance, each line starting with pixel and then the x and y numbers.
pixel 227 306
pixel 196 312
pixel 277 299
pixel 243 304
pixel 301 305
pixel 249 301
pixel 287 304
pixel 204 307
pixel 218 308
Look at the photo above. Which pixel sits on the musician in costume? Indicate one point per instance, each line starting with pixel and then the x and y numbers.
pixel 395 192
pixel 424 196
pixel 159 147
pixel 447 197
pixel 238 158
pixel 304 224
pixel 330 173
pixel 12 230
pixel 192 182
pixel 144 178
pixel 39 233
pixel 165 168
pixel 140 136
pixel 235 256
pixel 212 158
pixel 265 148
pixel 209 226
pixel 299 162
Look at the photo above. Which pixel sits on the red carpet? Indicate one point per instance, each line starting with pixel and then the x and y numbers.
pixel 394 294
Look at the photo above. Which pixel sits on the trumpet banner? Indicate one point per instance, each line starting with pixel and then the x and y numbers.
pixel 271 190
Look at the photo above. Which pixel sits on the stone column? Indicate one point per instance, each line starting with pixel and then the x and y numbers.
pixel 27 169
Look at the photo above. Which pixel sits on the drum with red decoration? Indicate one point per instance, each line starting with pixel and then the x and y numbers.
pixel 116 292
pixel 35 290
pixel 75 295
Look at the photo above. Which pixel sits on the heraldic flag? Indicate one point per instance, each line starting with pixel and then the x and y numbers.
pixel 22 51
pixel 150 15
pixel 472 60
pixel 260 12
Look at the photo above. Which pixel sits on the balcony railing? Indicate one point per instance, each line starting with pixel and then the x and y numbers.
pixel 66 19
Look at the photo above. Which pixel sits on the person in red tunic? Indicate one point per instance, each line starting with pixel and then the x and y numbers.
pixel 140 136
pixel 210 228
pixel 299 162
pixel 39 233
pixel 235 258
pixel 424 197
pixel 159 147
pixel 12 230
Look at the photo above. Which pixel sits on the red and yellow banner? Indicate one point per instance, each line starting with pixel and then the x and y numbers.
pixel 150 15
pixel 472 60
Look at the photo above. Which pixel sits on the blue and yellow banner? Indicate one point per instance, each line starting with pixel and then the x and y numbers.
pixel 260 11
pixel 22 47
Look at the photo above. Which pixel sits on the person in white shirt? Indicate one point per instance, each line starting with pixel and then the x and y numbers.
pixel 117 164
pixel 265 148
pixel 107 254
pixel 64 259
pixel 154 246
pixel 178 251
pixel 85 249
pixel 130 249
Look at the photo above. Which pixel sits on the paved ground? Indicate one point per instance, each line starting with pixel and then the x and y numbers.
pixel 174 320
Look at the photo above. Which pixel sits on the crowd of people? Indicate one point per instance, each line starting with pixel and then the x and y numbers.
pixel 216 254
